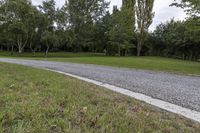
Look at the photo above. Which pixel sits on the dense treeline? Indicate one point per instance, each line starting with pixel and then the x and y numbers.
pixel 78 26
pixel 88 26
pixel 178 39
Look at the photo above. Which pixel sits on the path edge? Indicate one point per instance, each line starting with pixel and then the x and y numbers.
pixel 188 113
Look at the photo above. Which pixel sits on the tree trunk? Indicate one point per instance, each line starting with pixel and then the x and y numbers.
pixel 20 51
pixel 19 43
pixel 183 56
pixel 12 50
pixel 32 49
pixel 34 53
pixel 8 48
pixel 191 55
pixel 119 51
pixel 19 48
pixel 141 41
pixel 47 50
pixel 139 47
pixel 125 52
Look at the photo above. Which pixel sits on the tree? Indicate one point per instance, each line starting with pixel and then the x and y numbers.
pixel 177 39
pixel 62 17
pixel 48 31
pixel 82 16
pixel 18 16
pixel 49 10
pixel 101 34
pixel 193 36
pixel 144 20
pixel 6 38
pixel 49 39
pixel 192 7
pixel 35 23
pixel 130 6
pixel 19 30
pixel 15 12
pixel 121 31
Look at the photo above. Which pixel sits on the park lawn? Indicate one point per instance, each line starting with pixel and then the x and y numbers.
pixel 50 54
pixel 146 63
pixel 40 101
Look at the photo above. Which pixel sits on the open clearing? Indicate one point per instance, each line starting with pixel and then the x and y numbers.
pixel 34 100
pixel 147 63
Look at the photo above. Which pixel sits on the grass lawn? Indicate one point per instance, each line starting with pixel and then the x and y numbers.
pixel 147 63
pixel 50 55
pixel 39 101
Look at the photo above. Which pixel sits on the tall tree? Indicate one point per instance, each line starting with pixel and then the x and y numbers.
pixel 49 39
pixel 130 6
pixel 101 34
pixel 83 14
pixel 144 12
pixel 49 10
pixel 17 16
pixel 62 17
pixel 48 34
pixel 121 31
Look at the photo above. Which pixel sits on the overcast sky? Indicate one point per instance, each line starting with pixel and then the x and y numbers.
pixel 161 7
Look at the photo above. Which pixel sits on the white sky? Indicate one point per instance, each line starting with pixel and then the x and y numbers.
pixel 161 8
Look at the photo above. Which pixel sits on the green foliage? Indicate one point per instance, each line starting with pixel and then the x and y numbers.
pixel 130 6
pixel 179 39
pixel 121 31
pixel 49 39
pixel 19 20
pixel 192 7
pixel 18 28
pixel 82 17
pixel 87 26
pixel 48 8
pixel 100 33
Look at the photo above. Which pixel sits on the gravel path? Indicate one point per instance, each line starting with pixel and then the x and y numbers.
pixel 177 89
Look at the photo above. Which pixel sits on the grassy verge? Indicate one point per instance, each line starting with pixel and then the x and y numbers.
pixel 147 63
pixel 38 101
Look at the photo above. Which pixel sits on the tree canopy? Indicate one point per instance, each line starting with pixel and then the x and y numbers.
pixel 192 7
pixel 89 26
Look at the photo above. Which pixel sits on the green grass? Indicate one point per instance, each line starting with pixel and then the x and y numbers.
pixel 50 54
pixel 39 101
pixel 147 63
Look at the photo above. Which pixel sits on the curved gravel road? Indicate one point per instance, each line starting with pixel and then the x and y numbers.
pixel 177 89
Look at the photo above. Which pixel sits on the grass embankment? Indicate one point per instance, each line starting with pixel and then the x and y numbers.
pixel 147 63
pixel 39 101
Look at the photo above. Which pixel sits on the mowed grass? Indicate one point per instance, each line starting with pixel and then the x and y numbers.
pixel 147 63
pixel 50 54
pixel 39 101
